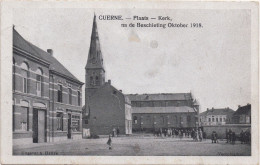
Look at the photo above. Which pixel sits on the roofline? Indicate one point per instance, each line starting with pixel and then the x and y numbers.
pixel 157 93
pixel 32 57
pixel 67 77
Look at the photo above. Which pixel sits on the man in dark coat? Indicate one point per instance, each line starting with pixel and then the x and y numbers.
pixel 117 131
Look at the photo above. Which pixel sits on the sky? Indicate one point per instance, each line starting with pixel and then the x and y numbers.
pixel 212 62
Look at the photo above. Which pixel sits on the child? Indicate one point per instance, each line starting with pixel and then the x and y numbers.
pixel 109 142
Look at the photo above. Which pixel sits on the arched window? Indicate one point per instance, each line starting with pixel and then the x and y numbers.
pixel 91 80
pixel 97 80
pixel 78 98
pixel 39 82
pixel 59 93
pixel 25 76
pixel 135 119
pixel 70 96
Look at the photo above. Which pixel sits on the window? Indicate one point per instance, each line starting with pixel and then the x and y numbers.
pixel 97 80
pixel 209 119
pixel 220 119
pixel 78 98
pixel 60 93
pixel 59 121
pixel 247 119
pixel 24 119
pixel 75 123
pixel 13 74
pixel 216 119
pixel 135 120
pixel 25 76
pixel 39 82
pixel 70 96
pixel 213 119
pixel 91 80
pixel 189 118
pixel 86 121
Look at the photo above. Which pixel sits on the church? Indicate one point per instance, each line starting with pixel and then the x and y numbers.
pixel 107 107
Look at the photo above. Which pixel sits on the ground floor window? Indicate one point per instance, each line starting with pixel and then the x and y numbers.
pixel 75 123
pixel 59 117
pixel 22 119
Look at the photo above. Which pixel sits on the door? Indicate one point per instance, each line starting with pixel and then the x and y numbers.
pixel 39 123
pixel 69 126
pixel 41 126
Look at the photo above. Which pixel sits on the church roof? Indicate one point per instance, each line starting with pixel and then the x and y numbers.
pixel 181 109
pixel 95 58
pixel 55 65
pixel 160 96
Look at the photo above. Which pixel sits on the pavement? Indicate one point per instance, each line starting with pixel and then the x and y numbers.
pixel 136 145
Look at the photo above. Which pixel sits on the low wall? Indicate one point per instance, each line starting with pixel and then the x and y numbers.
pixel 221 129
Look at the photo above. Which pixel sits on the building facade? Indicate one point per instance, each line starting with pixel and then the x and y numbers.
pixel 220 116
pixel 242 115
pixel 47 98
pixel 153 111
pixel 105 106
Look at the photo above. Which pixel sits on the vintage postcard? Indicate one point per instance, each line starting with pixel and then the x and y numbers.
pixel 134 82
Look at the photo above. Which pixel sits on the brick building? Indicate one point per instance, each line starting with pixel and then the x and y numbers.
pixel 219 116
pixel 242 115
pixel 105 106
pixel 46 96
pixel 154 111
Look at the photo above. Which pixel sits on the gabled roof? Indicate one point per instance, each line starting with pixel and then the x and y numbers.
pixel 220 111
pixel 159 96
pixel 245 110
pixel 55 65
pixel 181 109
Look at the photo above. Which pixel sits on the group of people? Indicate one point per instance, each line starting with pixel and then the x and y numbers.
pixel 195 134
pixel 244 136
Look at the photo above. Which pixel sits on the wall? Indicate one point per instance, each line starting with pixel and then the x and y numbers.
pixel 221 130
pixel 173 120
pixel 107 110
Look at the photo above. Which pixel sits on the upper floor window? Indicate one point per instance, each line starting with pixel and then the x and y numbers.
pixel 39 81
pixel 209 119
pixel 59 121
pixel 25 77
pixel 78 98
pixel 59 93
pixel 70 96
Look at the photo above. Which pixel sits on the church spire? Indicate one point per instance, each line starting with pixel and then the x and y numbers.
pixel 95 59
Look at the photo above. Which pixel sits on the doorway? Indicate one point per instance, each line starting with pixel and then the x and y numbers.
pixel 69 126
pixel 39 126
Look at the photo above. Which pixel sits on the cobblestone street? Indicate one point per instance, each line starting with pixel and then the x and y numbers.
pixel 136 146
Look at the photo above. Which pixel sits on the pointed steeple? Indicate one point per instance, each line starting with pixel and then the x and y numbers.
pixel 95 59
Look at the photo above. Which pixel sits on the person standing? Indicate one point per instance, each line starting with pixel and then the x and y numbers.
pixel 109 143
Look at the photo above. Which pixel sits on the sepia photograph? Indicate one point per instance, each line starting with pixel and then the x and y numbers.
pixel 125 81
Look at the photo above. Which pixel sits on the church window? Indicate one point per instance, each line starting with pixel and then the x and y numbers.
pixel 97 80
pixel 91 81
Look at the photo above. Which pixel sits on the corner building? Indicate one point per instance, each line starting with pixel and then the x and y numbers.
pixel 47 98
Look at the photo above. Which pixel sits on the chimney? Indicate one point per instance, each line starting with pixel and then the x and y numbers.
pixel 50 51
pixel 120 90
pixel 212 107
pixel 109 82
pixel 207 109
pixel 239 106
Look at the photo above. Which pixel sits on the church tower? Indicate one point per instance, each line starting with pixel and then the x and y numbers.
pixel 95 72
